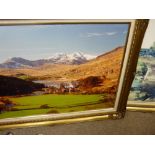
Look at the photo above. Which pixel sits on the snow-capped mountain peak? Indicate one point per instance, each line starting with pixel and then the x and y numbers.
pixel 71 58
pixel 58 58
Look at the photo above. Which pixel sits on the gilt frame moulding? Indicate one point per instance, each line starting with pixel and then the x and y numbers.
pixel 139 106
pixel 134 40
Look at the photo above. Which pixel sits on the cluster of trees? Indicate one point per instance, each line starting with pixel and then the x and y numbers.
pixel 96 85
pixel 89 82
pixel 90 85
pixel 5 104
pixel 14 86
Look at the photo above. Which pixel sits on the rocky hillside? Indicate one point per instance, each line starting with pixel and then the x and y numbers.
pixel 106 66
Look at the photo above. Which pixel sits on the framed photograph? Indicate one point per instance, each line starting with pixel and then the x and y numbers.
pixel 142 93
pixel 60 71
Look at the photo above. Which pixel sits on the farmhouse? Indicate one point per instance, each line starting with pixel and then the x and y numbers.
pixel 64 88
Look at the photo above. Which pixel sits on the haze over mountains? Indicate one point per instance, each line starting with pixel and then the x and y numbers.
pixel 59 58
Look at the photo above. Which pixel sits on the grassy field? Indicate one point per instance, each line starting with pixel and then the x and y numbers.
pixel 48 104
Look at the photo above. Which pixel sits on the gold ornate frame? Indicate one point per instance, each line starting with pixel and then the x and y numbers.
pixel 139 106
pixel 133 45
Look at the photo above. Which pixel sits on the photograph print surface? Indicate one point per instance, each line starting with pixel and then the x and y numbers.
pixel 59 68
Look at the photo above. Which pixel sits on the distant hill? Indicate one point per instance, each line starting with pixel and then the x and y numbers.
pixel 14 86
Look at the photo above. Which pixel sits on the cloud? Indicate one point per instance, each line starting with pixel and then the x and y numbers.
pixel 96 34
pixel 111 33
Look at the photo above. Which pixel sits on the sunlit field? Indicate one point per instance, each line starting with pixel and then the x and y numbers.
pixel 51 104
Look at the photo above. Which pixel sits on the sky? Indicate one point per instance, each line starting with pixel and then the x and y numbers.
pixel 42 41
pixel 149 37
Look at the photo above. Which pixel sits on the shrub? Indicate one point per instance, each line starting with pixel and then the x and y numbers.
pixel 53 111
pixel 14 86
pixel 90 82
pixel 44 106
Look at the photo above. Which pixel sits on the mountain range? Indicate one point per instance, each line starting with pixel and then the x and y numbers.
pixel 106 66
pixel 98 66
pixel 59 58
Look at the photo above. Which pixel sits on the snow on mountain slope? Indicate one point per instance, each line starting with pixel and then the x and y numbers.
pixel 73 58
pixel 59 58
